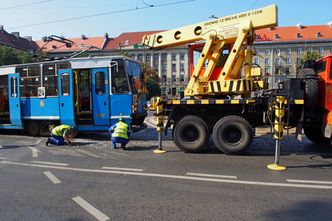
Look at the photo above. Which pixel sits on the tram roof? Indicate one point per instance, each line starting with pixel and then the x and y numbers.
pixel 76 63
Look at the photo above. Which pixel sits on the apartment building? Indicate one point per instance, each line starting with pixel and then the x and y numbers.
pixel 279 50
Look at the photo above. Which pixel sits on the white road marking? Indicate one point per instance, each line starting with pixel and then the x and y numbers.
pixel 53 178
pixel 34 151
pixel 37 142
pixel 92 210
pixel 124 169
pixel 88 153
pixel 211 175
pixel 310 181
pixel 49 163
pixel 257 183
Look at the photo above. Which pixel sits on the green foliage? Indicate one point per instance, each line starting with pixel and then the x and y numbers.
pixel 309 55
pixel 13 56
pixel 153 88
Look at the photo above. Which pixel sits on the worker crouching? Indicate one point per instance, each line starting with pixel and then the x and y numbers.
pixel 62 135
pixel 120 133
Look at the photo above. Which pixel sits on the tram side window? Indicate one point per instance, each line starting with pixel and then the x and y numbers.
pixel 100 83
pixel 13 86
pixel 119 78
pixel 135 78
pixel 29 81
pixel 65 84
pixel 4 94
pixel 50 80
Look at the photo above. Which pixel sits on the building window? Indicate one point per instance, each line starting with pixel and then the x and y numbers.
pixel 181 56
pixel 163 79
pixel 298 60
pixel 310 50
pixel 330 50
pixel 148 59
pixel 266 70
pixel 277 61
pixel 288 60
pixel 256 61
pixel 173 67
pixel 299 51
pixel 181 78
pixel 287 71
pixel 277 51
pixel 257 52
pixel 276 71
pixel 266 61
pixel 267 51
pixel 288 51
pixel 173 91
pixel 163 91
pixel 156 61
pixel 173 57
pixel 321 50
pixel 181 67
pixel 173 78
pixel 140 57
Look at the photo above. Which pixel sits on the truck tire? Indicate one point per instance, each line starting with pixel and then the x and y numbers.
pixel 232 134
pixel 33 128
pixel 309 77
pixel 315 135
pixel 191 134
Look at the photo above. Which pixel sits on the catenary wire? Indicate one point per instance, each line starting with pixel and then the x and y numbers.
pixel 25 5
pixel 100 14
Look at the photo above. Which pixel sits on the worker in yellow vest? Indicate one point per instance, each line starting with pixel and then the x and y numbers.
pixel 120 133
pixel 61 135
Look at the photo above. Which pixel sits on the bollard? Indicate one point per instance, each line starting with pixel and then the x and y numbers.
pixel 160 125
pixel 278 132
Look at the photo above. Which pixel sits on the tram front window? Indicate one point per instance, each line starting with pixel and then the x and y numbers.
pixel 119 78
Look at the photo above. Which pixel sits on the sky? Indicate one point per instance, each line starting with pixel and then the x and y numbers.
pixel 72 18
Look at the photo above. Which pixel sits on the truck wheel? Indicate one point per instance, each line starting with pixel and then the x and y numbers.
pixel 33 128
pixel 309 77
pixel 314 134
pixel 191 134
pixel 232 134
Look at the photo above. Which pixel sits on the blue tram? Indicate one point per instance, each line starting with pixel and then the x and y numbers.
pixel 89 93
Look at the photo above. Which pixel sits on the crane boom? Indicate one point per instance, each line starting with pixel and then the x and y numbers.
pixel 225 27
pixel 235 30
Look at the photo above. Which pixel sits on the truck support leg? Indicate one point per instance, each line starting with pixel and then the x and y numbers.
pixel 278 131
pixel 160 125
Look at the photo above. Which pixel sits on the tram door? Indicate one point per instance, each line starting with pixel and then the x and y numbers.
pixel 100 95
pixel 121 98
pixel 66 97
pixel 14 100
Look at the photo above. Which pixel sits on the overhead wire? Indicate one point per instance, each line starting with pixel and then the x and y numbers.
pixel 25 5
pixel 102 14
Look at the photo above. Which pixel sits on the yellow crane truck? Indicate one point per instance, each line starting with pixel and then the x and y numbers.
pixel 227 97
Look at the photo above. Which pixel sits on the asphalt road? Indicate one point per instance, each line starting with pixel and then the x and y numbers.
pixel 90 181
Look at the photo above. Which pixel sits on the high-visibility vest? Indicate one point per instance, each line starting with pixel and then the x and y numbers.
pixel 121 130
pixel 60 130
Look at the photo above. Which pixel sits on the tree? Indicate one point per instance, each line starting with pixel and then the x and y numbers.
pixel 309 55
pixel 10 55
pixel 152 81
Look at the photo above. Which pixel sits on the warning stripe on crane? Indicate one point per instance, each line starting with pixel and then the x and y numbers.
pixel 226 101
pixel 230 86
